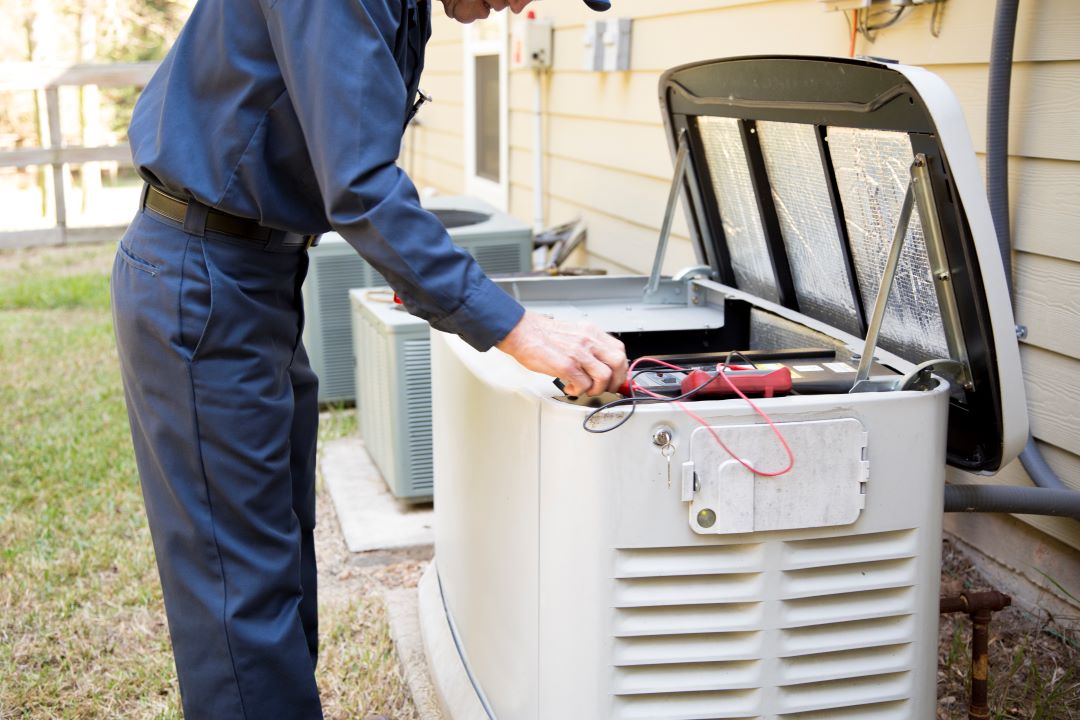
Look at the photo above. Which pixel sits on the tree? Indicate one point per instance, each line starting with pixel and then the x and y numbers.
pixel 138 31
pixel 81 31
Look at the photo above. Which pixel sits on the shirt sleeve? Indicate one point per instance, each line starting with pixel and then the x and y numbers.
pixel 338 65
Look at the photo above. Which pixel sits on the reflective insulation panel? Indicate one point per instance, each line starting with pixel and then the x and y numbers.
pixel 807 218
pixel 734 191
pixel 872 170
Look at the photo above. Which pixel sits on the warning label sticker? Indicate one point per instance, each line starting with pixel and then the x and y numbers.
pixel 839 367
pixel 809 368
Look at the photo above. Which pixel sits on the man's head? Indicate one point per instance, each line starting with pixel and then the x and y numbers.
pixel 466 11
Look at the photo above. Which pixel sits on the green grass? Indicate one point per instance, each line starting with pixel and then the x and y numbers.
pixel 337 421
pixel 89 290
pixel 82 624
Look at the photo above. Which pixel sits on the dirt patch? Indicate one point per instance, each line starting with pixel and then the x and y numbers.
pixel 359 671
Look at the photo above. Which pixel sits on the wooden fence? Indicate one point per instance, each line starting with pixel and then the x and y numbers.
pixel 48 79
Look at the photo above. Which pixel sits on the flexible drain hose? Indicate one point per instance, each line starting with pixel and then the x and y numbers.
pixel 1011 499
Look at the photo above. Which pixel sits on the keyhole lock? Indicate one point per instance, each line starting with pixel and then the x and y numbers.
pixel 662 439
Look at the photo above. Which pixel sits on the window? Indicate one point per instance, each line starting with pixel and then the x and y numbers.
pixel 487 110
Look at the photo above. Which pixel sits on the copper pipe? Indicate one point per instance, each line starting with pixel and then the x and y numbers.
pixel 972 602
pixel 980 664
pixel 979 607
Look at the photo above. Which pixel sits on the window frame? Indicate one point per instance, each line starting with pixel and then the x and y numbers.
pixel 475 44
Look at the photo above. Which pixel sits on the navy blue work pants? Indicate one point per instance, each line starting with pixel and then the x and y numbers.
pixel 223 409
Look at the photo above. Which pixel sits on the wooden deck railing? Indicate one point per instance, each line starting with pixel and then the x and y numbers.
pixel 49 78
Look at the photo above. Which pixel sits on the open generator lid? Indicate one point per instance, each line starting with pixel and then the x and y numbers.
pixel 799 173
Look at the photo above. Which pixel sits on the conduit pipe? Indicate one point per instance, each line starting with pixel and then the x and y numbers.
pixel 997 185
pixel 997 127
pixel 1012 499
pixel 1040 471
pixel 538 153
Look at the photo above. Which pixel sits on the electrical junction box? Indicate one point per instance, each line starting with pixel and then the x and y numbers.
pixel 607 45
pixel 530 46
pixel 584 570
pixel 617 44
pixel 594 46
pixel 500 243
pixel 393 391
pixel 845 4
pixel 860 4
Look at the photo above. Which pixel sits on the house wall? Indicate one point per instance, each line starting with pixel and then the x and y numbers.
pixel 606 159
pixel 434 149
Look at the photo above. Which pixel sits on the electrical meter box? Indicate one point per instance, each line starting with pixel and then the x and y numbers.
pixel 713 558
pixel 530 45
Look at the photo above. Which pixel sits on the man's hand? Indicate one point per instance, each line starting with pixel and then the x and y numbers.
pixel 582 355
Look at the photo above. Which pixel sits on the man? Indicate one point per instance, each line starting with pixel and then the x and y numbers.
pixel 268 122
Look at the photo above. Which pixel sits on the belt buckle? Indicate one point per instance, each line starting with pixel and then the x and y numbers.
pixel 311 241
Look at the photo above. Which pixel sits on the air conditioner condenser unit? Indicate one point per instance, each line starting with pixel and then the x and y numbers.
pixel 638 561
pixel 393 391
pixel 498 241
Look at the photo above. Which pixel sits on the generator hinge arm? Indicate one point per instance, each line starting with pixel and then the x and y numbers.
pixel 940 271
pixel 919 194
pixel 669 215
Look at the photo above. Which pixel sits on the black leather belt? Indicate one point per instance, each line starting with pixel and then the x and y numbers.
pixel 176 209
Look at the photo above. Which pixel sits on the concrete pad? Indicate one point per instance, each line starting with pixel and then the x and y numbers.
pixel 401 608
pixel 371 517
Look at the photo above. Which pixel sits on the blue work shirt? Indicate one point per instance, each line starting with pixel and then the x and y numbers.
pixel 292 113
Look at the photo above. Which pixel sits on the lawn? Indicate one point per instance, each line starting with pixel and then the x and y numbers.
pixel 82 625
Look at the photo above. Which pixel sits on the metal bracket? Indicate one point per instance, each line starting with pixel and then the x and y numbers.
pixel 653 287
pixel 939 269
pixel 919 193
pixel 921 378
pixel 694 271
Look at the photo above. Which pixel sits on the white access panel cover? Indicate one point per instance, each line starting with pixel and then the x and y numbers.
pixel 610 575
pixel 826 488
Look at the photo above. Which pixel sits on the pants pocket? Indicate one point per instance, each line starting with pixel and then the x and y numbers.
pixel 298 300
pixel 129 257
pixel 196 296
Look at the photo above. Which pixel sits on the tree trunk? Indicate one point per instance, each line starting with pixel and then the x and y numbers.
pixel 41 34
